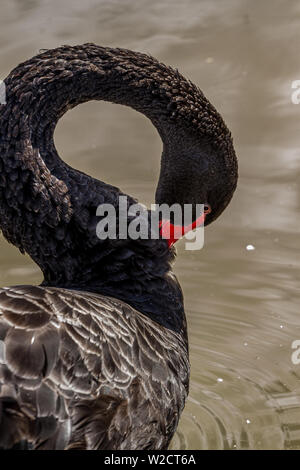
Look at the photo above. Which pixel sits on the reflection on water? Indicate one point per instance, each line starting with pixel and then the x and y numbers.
pixel 242 305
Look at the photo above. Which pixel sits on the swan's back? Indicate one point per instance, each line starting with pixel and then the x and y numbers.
pixel 80 370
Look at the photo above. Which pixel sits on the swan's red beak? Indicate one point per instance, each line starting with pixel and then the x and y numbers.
pixel 174 232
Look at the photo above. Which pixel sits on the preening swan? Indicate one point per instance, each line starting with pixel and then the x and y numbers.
pixel 96 357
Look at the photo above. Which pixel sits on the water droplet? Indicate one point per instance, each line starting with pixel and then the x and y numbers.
pixel 250 247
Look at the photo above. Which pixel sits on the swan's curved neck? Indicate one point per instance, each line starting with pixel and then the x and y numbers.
pixel 49 209
pixel 42 89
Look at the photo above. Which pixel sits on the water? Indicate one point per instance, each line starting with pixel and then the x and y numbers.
pixel 242 305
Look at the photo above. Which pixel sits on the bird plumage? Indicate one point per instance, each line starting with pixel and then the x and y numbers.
pixel 97 356
pixel 82 370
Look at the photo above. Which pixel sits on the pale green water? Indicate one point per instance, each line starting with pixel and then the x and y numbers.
pixel 242 306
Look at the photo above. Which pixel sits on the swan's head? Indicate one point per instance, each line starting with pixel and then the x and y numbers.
pixel 198 172
pixel 215 177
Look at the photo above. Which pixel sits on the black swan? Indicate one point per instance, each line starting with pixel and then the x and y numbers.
pixel 96 357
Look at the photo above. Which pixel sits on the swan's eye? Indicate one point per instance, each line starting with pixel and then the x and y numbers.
pixel 207 209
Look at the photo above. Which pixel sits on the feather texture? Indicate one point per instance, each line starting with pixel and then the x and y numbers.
pixel 97 356
pixel 86 371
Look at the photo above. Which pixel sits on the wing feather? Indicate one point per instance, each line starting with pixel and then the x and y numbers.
pixel 77 369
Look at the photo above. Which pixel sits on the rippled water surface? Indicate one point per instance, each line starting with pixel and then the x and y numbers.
pixel 242 305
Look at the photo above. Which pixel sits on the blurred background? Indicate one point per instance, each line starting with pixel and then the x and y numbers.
pixel 242 290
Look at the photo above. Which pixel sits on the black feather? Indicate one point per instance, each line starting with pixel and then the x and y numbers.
pixel 97 357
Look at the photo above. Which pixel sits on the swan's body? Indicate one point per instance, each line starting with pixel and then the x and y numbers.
pixel 97 357
pixel 93 373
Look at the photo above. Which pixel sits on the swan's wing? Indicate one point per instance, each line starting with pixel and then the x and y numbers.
pixel 76 368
